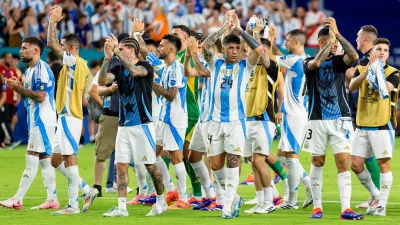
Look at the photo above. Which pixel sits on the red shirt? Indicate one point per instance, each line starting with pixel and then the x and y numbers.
pixel 8 73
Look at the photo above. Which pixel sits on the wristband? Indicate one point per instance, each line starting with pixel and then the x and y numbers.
pixel 249 40
pixel 137 33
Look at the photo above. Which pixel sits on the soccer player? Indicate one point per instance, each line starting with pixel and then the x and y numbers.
pixel 294 123
pixel 260 99
pixel 376 121
pixel 135 136
pixel 38 92
pixel 70 85
pixel 227 128
pixel 171 128
pixel 329 115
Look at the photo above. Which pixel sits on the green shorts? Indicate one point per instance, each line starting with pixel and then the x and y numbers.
pixel 190 129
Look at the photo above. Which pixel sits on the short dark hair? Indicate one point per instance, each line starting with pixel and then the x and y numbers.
pixel 150 41
pixel 298 35
pixel 196 35
pixel 97 5
pixel 51 56
pixel 94 63
pixel 34 41
pixel 173 39
pixel 183 28
pixel 324 32
pixel 81 16
pixel 381 41
pixel 231 38
pixel 72 39
pixel 370 29
pixel 266 42
pixel 131 43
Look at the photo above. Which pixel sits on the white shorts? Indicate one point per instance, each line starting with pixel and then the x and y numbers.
pixel 259 137
pixel 41 139
pixel 293 130
pixel 369 143
pixel 169 137
pixel 227 137
pixel 136 144
pixel 338 133
pixel 68 134
pixel 200 137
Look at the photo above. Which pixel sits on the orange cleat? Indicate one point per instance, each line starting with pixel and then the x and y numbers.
pixel 172 196
pixel 180 205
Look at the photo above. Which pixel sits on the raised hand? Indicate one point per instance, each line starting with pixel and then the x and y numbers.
pixel 272 33
pixel 227 17
pixel 55 13
pixel 153 59
pixel 331 23
pixel 108 53
pixel 332 36
pixel 260 24
pixel 235 20
pixel 373 57
pixel 192 44
pixel 138 26
pixel 113 42
pixel 13 82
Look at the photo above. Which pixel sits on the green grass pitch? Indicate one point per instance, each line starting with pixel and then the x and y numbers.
pixel 12 164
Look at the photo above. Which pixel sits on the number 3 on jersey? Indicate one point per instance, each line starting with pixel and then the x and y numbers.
pixel 226 82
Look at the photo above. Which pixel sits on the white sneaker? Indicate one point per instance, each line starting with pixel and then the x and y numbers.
pixel 116 212
pixel 363 205
pixel 380 211
pixel 251 202
pixel 252 210
pixel 89 198
pixel 67 210
pixel 373 203
pixel 158 209
pixel 309 200
pixel 265 208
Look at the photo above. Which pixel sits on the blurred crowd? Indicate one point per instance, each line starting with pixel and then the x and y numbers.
pixel 94 20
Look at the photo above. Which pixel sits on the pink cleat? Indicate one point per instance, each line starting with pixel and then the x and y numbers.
pixel 12 203
pixel 49 204
pixel 136 199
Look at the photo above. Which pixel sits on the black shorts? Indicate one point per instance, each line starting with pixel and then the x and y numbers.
pixel 10 111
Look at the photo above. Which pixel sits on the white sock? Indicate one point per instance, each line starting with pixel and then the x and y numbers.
pixel 344 183
pixel 386 185
pixel 122 203
pixel 150 185
pixel 231 184
pixel 201 171
pixel 49 178
pixel 62 170
pixel 161 199
pixel 219 176
pixel 268 195
pixel 140 171
pixel 260 196
pixel 316 186
pixel 294 174
pixel 275 192
pixel 32 163
pixel 73 183
pixel 169 185
pixel 180 173
pixel 285 193
pixel 304 178
pixel 82 184
pixel 366 181
pixel 283 160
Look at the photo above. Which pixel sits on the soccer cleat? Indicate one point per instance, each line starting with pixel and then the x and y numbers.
pixel 66 210
pixel 237 203
pixel 276 178
pixel 89 198
pixel 309 200
pixel 349 214
pixel 287 205
pixel 157 209
pixel 316 213
pixel 180 205
pixel 49 204
pixel 373 203
pixel 116 212
pixel 265 208
pixel 363 205
pixel 252 210
pixel 380 211
pixel 213 207
pixel 113 189
pixel 135 200
pixel 277 201
pixel 227 214
pixel 152 199
pixel 12 203
pixel 251 202
pixel 204 203
pixel 172 196
pixel 194 202
pixel 249 180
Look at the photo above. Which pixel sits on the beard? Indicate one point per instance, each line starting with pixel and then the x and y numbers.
pixel 26 60
pixel 162 56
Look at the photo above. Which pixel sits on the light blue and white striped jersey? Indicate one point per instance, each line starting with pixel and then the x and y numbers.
pixel 174 112
pixel 205 93
pixel 228 88
pixel 101 30
pixel 40 78
pixel 295 100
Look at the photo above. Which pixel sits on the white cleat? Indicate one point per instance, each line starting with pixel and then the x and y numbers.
pixel 287 205
pixel 49 204
pixel 67 210
pixel 227 214
pixel 157 209
pixel 252 210
pixel 309 200
pixel 251 202
pixel 89 198
pixel 265 208
pixel 373 203
pixel 116 212
pixel 380 211
pixel 114 189
pixel 363 205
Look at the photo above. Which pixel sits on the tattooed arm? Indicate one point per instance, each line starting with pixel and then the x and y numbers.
pixel 191 51
pixel 202 71
pixel 167 94
pixel 321 56
pixel 103 72
pixel 16 85
pixel 351 55
pixel 52 37
pixel 188 70
pixel 143 48
pixel 136 71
